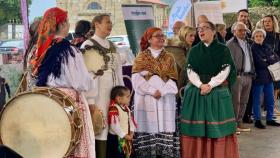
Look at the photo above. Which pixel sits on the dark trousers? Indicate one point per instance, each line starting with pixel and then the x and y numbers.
pixel 113 150
pixel 100 148
pixel 249 108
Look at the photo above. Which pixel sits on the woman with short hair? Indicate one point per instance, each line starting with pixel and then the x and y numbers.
pixel 263 56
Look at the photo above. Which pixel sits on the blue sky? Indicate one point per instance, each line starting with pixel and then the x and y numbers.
pixel 38 7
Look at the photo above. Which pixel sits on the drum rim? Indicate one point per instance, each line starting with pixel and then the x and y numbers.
pixel 40 90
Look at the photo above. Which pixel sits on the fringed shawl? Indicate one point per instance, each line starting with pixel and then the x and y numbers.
pixel 207 62
pixel 164 65
pixel 56 55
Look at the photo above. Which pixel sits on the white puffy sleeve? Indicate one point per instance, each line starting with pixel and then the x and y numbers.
pixel 220 77
pixel 141 86
pixel 76 73
pixel 170 87
pixel 194 78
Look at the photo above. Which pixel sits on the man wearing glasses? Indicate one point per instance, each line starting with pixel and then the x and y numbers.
pixel 242 56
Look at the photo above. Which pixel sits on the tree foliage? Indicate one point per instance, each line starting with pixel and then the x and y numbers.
pixel 257 3
pixel 10 10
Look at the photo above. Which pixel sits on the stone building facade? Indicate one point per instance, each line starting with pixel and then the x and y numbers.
pixel 87 9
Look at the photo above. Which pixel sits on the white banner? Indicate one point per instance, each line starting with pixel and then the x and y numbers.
pixel 212 9
pixel 232 6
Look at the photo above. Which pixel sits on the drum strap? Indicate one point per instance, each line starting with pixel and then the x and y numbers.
pixel 77 96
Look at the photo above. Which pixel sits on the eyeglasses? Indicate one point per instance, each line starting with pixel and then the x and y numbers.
pixel 203 28
pixel 158 36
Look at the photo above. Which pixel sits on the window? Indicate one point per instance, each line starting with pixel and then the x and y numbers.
pixel 94 6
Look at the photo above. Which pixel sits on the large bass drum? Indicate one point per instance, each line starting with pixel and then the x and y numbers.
pixel 42 123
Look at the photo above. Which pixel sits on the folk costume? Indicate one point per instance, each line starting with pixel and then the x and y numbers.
pixel 60 65
pixel 156 126
pixel 104 63
pixel 120 123
pixel 207 121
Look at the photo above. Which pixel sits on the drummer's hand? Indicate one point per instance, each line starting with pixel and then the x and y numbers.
pixel 128 137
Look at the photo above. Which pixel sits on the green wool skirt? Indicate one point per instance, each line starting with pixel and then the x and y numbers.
pixel 210 116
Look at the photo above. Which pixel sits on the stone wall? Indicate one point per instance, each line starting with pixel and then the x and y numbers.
pixel 78 10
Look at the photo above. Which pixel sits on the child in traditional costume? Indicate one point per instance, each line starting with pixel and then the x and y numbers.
pixel 121 124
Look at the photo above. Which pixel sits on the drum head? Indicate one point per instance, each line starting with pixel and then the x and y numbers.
pixel 35 126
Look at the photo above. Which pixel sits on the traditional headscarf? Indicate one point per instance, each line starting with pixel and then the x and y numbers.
pixel 146 36
pixel 47 29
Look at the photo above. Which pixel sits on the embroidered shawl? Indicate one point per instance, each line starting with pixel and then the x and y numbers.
pixel 164 65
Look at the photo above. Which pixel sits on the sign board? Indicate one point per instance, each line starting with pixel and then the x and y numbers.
pixel 137 19
pixel 212 9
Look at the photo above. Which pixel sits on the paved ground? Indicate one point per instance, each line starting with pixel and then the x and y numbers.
pixel 260 143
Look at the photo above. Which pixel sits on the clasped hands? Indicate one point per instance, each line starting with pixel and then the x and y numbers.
pixel 205 89
pixel 157 95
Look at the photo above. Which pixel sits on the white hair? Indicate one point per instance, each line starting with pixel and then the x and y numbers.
pixel 258 30
pixel 237 24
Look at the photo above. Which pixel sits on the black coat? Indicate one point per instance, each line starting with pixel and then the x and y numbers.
pixel 4 87
pixel 263 57
pixel 273 40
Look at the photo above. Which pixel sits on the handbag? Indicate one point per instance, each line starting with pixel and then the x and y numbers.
pixel 274 70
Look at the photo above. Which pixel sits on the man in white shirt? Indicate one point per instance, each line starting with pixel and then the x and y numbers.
pixel 242 56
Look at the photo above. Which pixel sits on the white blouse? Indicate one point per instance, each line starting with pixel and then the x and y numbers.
pixel 214 82
pixel 74 74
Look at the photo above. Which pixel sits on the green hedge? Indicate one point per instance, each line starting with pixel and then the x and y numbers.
pixel 256 14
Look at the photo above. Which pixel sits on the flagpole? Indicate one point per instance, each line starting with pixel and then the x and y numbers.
pixel 24 15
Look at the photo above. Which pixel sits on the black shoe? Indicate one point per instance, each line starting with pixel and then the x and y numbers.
pixel 247 120
pixel 259 125
pixel 272 123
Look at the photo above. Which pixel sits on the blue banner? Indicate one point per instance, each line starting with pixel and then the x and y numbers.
pixel 179 11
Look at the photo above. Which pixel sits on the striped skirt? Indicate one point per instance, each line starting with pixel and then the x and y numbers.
pixel 164 145
pixel 86 147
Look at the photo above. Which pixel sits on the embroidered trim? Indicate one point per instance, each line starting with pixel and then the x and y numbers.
pixel 207 122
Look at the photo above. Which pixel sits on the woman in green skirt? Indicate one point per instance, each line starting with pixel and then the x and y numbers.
pixel 207 122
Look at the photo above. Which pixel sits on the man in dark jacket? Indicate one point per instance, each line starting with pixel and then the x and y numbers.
pixel 242 16
pixel 3 88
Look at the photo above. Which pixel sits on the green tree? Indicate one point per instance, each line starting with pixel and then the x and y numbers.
pixel 10 10
pixel 257 3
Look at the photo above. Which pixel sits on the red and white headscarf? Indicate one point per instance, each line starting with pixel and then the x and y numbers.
pixel 46 33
